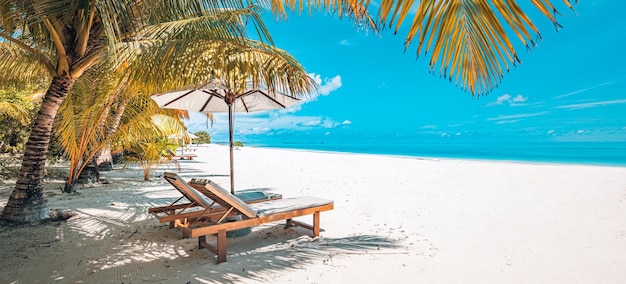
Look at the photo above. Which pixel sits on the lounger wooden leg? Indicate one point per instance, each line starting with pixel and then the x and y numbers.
pixel 203 244
pixel 201 241
pixel 288 224
pixel 316 224
pixel 221 246
pixel 171 212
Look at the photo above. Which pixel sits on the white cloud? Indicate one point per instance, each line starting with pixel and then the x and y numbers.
pixel 327 123
pixel 255 130
pixel 519 99
pixel 517 116
pixel 319 122
pixel 292 109
pixel 345 42
pixel 590 105
pixel 583 90
pixel 327 85
pixel 507 121
pixel 508 99
pixel 502 99
pixel 580 131
pixel 310 123
pixel 551 131
pixel 430 126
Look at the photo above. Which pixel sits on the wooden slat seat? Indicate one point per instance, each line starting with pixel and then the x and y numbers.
pixel 172 155
pixel 209 221
pixel 189 208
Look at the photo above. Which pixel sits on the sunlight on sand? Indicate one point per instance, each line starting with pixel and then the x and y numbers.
pixel 395 220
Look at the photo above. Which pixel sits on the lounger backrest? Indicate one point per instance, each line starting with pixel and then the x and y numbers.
pixel 189 192
pixel 227 200
pixel 247 196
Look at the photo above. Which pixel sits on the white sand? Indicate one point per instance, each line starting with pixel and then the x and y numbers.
pixel 401 220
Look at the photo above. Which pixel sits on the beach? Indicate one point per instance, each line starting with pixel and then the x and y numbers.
pixel 395 219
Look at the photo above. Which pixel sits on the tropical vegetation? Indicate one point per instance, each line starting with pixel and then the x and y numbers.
pixel 151 46
pixel 124 42
pixel 148 154
pixel 203 137
pixel 99 116
pixel 17 108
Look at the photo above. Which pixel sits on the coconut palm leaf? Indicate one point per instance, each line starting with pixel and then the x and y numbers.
pixel 469 41
pixel 354 10
pixel 15 111
pixel 143 119
pixel 200 61
pixel 20 67
pixel 85 126
pixel 204 55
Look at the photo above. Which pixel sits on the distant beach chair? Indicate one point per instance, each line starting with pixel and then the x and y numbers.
pixel 181 212
pixel 208 221
pixel 172 155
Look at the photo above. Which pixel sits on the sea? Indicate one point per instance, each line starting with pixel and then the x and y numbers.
pixel 588 153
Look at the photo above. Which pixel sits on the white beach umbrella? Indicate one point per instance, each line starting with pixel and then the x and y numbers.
pixel 183 137
pixel 216 97
pixel 192 136
pixel 186 136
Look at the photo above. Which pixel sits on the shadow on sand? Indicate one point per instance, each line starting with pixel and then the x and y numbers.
pixel 114 239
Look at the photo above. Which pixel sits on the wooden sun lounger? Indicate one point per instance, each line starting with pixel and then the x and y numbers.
pixel 180 213
pixel 210 222
pixel 173 155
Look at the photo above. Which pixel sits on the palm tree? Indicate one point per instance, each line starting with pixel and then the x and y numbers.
pixel 64 39
pixel 149 154
pixel 467 42
pixel 88 122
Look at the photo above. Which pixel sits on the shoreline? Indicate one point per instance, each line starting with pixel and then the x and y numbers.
pixel 436 158
pixel 395 220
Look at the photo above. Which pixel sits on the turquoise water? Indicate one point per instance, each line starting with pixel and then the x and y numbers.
pixel 593 153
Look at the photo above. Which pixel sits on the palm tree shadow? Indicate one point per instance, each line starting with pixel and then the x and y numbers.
pixel 272 249
pixel 119 241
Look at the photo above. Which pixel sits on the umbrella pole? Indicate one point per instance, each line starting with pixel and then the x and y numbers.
pixel 230 138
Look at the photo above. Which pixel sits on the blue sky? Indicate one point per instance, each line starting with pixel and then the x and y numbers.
pixel 569 88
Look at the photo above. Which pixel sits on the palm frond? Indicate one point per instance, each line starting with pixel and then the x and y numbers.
pixel 15 111
pixel 143 120
pixel 354 10
pixel 219 23
pixel 468 40
pixel 192 62
pixel 20 67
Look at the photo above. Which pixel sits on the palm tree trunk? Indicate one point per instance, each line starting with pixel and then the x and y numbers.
pixel 28 200
pixel 104 158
